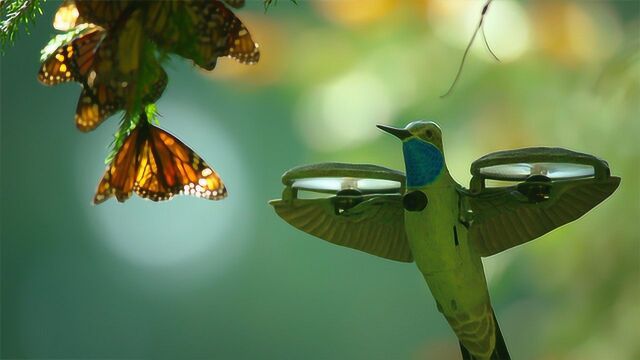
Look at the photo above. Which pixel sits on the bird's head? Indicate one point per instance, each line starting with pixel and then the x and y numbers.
pixel 426 131
pixel 423 151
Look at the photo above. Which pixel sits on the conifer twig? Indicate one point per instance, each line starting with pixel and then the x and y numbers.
pixel 12 14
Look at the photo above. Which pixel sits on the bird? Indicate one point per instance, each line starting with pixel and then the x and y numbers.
pixel 452 269
pixel 446 229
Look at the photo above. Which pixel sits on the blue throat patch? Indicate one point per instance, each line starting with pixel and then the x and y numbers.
pixel 423 162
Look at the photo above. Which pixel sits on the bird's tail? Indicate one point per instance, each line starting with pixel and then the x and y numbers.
pixel 499 351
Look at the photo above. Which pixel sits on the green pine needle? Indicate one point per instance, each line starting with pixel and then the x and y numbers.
pixel 127 125
pixel 15 14
pixel 146 74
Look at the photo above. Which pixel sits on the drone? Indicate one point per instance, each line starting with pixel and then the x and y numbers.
pixel 425 217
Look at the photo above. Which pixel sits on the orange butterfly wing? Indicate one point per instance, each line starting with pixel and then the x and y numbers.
pixel 101 100
pixel 119 178
pixel 96 104
pixel 215 32
pixel 240 45
pixel 111 85
pixel 86 59
pixel 221 33
pixel 72 61
pixel 156 165
pixel 170 167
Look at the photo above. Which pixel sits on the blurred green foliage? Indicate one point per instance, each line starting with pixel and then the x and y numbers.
pixel 197 279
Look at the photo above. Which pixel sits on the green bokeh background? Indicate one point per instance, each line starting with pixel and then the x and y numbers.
pixel 197 279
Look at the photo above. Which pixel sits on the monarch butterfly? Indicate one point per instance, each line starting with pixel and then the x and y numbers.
pixel 156 165
pixel 216 30
pixel 93 59
pixel 201 31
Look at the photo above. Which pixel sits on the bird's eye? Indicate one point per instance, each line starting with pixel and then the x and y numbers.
pixel 428 133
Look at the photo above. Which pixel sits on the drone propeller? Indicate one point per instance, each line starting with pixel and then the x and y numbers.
pixel 555 186
pixel 522 171
pixel 538 165
pixel 335 178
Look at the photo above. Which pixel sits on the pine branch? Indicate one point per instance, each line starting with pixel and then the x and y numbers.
pixel 127 125
pixel 143 77
pixel 13 14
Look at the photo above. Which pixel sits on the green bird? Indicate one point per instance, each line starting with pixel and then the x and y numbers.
pixel 446 229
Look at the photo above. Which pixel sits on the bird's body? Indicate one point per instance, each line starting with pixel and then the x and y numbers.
pixel 452 269
pixel 438 241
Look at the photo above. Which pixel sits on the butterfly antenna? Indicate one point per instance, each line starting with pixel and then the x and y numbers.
pixel 466 51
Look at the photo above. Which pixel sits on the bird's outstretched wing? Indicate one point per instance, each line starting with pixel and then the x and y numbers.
pixel 375 225
pixel 363 209
pixel 504 217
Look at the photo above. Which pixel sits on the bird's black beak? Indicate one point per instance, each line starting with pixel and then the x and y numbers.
pixel 397 132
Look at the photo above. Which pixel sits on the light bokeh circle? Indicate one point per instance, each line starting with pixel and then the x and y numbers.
pixel 343 113
pixel 184 228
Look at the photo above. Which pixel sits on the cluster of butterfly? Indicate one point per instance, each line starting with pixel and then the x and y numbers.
pixel 112 48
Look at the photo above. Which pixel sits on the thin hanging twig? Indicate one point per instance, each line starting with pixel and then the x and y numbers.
pixel 466 51
pixel 486 43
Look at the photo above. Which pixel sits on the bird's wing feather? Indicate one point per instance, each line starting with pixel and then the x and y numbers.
pixel 375 225
pixel 502 218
